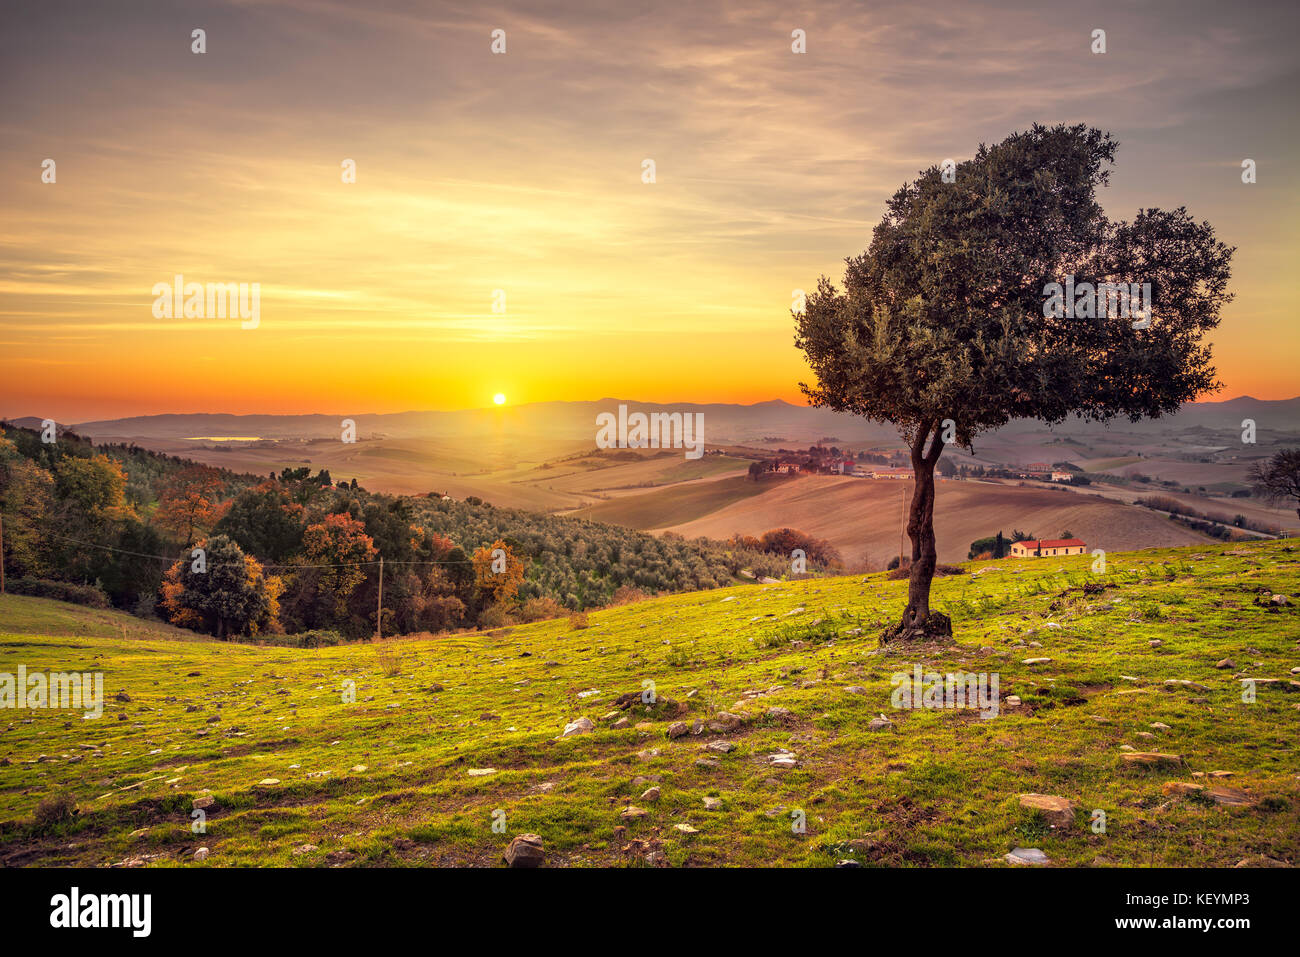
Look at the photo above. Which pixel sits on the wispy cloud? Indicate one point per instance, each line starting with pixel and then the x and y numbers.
pixel 522 173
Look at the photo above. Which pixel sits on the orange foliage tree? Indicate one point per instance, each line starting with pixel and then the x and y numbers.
pixel 341 543
pixel 188 503
pixel 221 591
pixel 497 577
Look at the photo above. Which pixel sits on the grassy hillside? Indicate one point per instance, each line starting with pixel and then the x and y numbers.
pixel 298 777
pixel 24 615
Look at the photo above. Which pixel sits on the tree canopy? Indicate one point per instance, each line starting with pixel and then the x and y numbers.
pixel 943 327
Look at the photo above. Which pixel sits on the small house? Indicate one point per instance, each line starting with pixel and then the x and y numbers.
pixel 1048 548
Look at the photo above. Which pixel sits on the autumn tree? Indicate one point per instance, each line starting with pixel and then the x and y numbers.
pixel 187 505
pixel 1278 479
pixel 341 546
pixel 94 484
pixel 26 496
pixel 783 542
pixel 220 591
pixel 498 573
pixel 944 325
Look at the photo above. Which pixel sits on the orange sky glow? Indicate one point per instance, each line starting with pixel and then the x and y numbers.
pixel 520 174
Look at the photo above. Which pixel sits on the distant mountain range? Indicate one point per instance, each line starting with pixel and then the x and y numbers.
pixel 723 423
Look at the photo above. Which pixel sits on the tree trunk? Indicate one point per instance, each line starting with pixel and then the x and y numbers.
pixel 919 622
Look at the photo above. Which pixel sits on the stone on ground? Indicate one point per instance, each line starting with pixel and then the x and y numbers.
pixel 1151 758
pixel 1026 855
pixel 526 850
pixel 1056 810
pixel 580 726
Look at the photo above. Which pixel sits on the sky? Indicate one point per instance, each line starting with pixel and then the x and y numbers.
pixel 481 173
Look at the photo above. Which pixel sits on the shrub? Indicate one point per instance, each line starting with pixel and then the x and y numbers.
pixel 494 616
pixel 90 595
pixel 783 541
pixel 1150 611
pixel 389 662
pixel 317 638
pixel 678 658
pixel 54 810
pixel 578 620
pixel 627 594
pixel 144 608
pixel 540 609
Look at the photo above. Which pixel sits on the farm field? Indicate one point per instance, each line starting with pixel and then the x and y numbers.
pixel 862 518
pixel 666 507
pixel 539 474
pixel 449 733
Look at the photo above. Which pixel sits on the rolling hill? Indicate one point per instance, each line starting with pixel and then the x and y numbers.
pixel 862 518
pixel 1109 701
pixel 725 423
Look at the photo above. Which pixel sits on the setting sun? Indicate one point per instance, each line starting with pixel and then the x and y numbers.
pixel 499 398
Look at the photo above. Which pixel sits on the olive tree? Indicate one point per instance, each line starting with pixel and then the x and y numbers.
pixel 988 294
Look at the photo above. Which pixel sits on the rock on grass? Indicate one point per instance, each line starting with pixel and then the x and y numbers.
pixel 1026 855
pixel 580 726
pixel 526 850
pixel 1055 810
pixel 1153 758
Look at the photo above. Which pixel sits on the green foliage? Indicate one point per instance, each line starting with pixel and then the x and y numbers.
pixel 84 530
pixel 943 316
pixel 994 545
pixel 225 596
pixel 264 521
pixel 89 595
pixel 942 325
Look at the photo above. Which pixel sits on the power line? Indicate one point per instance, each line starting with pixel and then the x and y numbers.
pixel 172 558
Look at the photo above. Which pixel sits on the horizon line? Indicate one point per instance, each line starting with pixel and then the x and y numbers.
pixel 524 405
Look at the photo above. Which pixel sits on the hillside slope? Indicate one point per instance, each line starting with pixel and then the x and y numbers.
pixel 25 615
pixel 446 732
pixel 863 518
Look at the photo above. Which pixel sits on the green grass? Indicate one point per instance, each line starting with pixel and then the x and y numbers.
pixel 938 788
pixel 22 614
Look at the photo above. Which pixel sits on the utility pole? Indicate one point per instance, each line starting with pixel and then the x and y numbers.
pixel 379 615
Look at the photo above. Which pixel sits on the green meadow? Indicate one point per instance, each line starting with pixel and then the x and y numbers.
pixel 409 751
